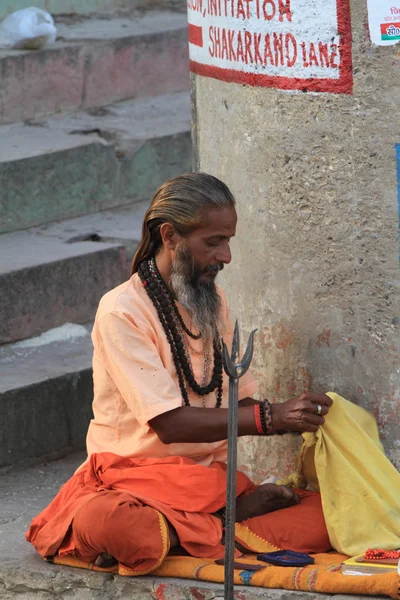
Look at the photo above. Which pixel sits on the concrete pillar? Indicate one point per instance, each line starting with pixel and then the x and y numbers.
pixel 303 124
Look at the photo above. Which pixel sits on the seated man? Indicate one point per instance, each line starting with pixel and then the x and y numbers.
pixel 155 477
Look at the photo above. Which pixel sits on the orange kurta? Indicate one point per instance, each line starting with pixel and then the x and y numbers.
pixel 135 378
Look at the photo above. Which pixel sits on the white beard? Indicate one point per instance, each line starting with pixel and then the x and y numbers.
pixel 199 296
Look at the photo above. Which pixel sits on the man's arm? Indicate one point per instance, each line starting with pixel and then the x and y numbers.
pixel 189 424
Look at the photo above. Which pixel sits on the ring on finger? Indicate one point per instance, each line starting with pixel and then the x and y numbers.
pixel 318 409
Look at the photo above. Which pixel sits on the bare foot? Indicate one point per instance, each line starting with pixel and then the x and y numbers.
pixel 266 498
pixel 173 537
pixel 104 561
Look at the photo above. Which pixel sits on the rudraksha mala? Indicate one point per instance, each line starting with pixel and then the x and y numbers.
pixel 153 267
pixel 168 314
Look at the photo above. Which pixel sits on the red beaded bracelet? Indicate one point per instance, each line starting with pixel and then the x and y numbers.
pixel 257 418
pixel 263 417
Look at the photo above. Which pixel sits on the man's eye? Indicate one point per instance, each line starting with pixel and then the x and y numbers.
pixel 213 243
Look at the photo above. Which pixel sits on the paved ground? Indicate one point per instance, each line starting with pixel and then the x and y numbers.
pixel 25 576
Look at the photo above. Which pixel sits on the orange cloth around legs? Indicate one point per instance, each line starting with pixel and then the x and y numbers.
pixel 300 528
pixel 96 510
pixel 116 523
pixel 187 494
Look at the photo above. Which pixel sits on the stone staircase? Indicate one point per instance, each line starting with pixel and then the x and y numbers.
pixel 89 127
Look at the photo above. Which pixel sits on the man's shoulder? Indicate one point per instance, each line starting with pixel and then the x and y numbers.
pixel 127 298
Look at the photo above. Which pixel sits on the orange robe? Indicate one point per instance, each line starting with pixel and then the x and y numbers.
pixel 132 484
pixel 121 506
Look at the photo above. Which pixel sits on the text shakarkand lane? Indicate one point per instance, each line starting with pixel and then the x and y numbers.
pixel 270 49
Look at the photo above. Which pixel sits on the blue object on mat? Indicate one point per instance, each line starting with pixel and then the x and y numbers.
pixel 286 558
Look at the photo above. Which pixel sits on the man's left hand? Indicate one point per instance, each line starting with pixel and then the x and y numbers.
pixel 305 413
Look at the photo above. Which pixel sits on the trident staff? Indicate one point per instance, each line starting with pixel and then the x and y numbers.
pixel 234 370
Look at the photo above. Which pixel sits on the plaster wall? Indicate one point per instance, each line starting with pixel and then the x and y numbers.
pixel 315 261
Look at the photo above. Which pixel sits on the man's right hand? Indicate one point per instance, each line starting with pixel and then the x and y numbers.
pixel 301 414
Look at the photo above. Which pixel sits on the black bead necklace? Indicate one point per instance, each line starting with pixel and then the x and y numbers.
pixel 167 310
pixel 154 269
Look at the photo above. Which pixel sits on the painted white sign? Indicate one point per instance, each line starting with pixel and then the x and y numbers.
pixel 288 44
pixel 384 21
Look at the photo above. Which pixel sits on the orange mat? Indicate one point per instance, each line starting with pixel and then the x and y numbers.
pixel 324 576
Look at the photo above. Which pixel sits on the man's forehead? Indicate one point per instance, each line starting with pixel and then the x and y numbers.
pixel 218 222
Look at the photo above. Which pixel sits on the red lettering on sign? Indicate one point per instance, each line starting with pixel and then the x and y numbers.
pixel 212 7
pixel 196 5
pixel 333 56
pixel 269 10
pixel 248 57
pixel 268 59
pixel 239 52
pixel 313 56
pixel 284 10
pixel 232 54
pixel 240 10
pixel 257 42
pixel 278 48
pixel 248 8
pixel 323 54
pixel 224 45
pixel 272 7
pixel 304 53
pixel 268 56
pixel 269 50
pixel 291 50
pixel 217 41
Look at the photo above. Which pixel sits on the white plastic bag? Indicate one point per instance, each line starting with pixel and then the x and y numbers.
pixel 29 28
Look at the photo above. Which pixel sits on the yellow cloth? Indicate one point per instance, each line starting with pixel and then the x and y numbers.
pixel 359 486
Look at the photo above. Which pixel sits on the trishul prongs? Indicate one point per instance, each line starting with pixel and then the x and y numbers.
pixel 234 370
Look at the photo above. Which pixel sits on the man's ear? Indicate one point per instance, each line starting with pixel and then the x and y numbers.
pixel 169 236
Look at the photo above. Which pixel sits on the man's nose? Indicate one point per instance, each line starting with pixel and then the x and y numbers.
pixel 224 255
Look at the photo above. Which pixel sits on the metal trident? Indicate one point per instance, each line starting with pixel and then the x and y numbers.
pixel 234 370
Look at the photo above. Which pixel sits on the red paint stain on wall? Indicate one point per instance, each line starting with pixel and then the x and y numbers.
pixel 307 380
pixel 324 338
pixel 282 336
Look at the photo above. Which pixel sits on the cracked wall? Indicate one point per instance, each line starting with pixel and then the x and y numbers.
pixel 315 261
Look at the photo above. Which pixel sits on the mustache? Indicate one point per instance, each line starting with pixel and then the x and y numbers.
pixel 214 268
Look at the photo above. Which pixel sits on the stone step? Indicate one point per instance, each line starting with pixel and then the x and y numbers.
pixel 95 62
pixel 25 576
pixel 46 393
pixel 57 273
pixel 70 6
pixel 70 165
